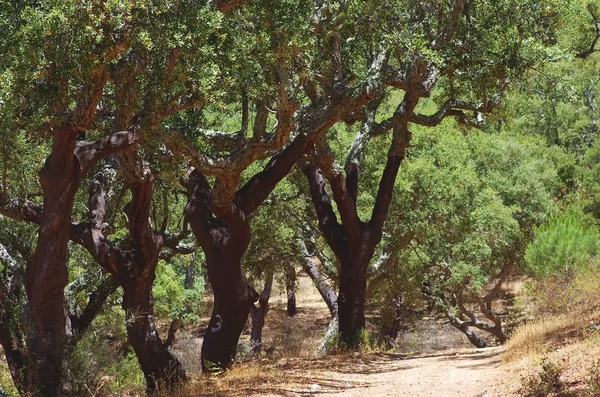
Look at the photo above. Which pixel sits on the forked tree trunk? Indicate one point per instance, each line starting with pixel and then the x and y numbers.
pixel 223 232
pixel 352 240
pixel 224 243
pixel 290 289
pixel 258 315
pixel 46 275
pixel 135 271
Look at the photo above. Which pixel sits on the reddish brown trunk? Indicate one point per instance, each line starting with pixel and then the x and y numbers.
pixel 234 297
pixel 161 369
pixel 224 241
pixel 353 288
pixel 290 289
pixel 46 276
pixel 135 272
pixel 258 315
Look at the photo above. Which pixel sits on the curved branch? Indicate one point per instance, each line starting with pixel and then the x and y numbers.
pixel 89 153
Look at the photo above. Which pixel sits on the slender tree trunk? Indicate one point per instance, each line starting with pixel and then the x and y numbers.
pixel 189 272
pixel 46 276
pixel 162 370
pixel 310 266
pixel 11 338
pixel 390 329
pixel 290 289
pixel 258 315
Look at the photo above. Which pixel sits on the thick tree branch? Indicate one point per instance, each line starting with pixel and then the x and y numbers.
pixel 456 108
pixel 89 153
pixel 80 324
pixel 592 48
pixel 344 198
pixel 309 264
pixel 328 224
pixel 397 151
pixel 255 191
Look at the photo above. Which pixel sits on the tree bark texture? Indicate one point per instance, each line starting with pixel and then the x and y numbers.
pixel 46 276
pixel 223 231
pixel 391 328
pixel 11 336
pixel 224 243
pixel 258 315
pixel 290 289
pixel 134 268
pixel 310 266
pixel 161 369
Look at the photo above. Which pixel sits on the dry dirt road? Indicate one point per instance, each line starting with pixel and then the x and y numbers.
pixel 465 373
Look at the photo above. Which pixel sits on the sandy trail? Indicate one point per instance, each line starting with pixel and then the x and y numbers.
pixel 466 373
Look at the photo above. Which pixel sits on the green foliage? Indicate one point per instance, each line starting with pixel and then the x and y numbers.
pixel 101 360
pixel 565 244
pixel 470 201
pixel 171 299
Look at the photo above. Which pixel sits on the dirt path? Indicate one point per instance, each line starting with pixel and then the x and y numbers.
pixel 467 373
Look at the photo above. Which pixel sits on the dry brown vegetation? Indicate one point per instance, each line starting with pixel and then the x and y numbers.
pixel 564 332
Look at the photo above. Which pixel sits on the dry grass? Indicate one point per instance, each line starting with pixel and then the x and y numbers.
pixel 564 333
pixel 544 335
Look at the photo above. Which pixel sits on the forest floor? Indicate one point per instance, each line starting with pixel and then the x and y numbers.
pixel 431 359
pixel 466 373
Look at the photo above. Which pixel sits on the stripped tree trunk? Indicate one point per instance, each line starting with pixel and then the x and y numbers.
pixel 259 313
pixel 290 289
pixel 223 232
pixel 46 276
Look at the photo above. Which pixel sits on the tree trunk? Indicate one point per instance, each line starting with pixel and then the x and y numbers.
pixel 290 288
pixel 189 273
pixel 46 276
pixel 390 329
pixel 258 315
pixel 310 266
pixel 162 370
pixel 233 298
pixel 11 337
pixel 351 303
pixel 473 338
pixel 224 235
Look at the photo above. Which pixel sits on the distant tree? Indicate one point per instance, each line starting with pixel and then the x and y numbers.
pixel 471 205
